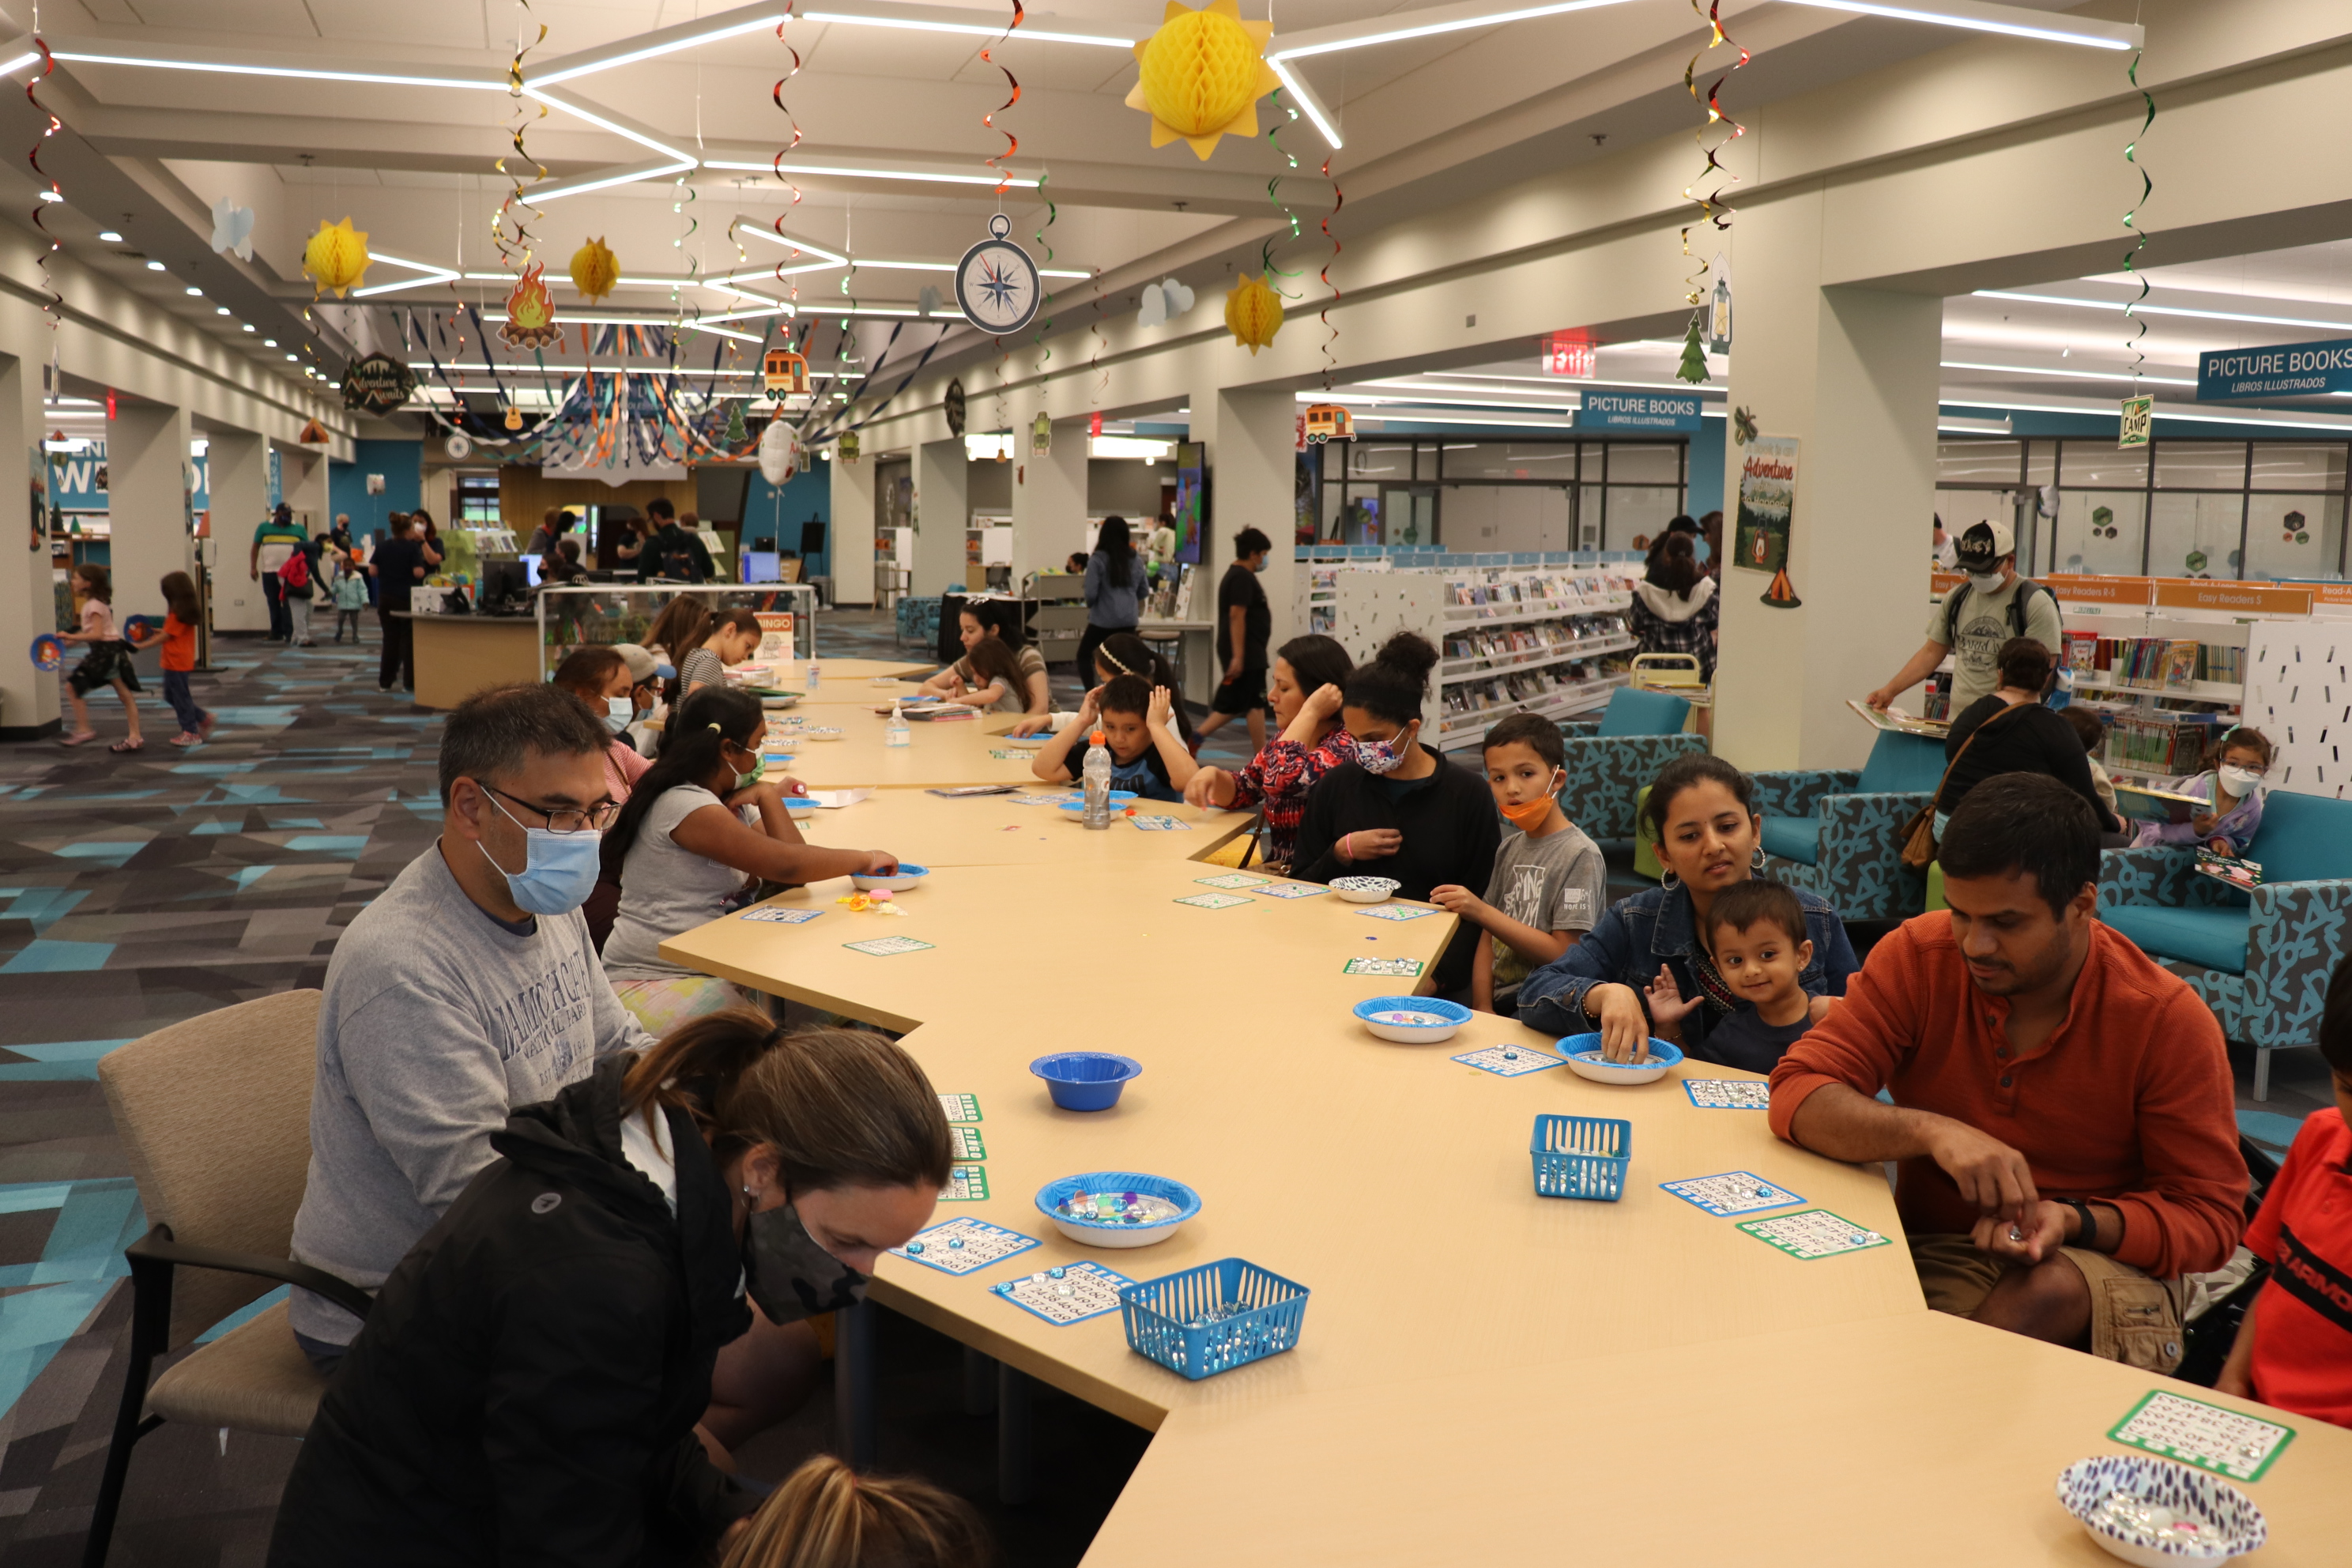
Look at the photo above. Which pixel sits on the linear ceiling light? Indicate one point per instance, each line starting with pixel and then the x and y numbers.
pixel 751 229
pixel 2013 20
pixel 934 22
pixel 866 263
pixel 2163 411
pixel 308 73
pixel 1424 23
pixel 2166 310
pixel 1316 113
pixel 2070 374
pixel 618 127
pixel 652 46
pixel 842 172
pixel 634 174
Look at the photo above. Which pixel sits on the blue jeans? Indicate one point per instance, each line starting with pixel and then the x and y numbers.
pixel 182 700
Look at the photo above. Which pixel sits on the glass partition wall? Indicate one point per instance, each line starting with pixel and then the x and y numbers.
pixel 1491 495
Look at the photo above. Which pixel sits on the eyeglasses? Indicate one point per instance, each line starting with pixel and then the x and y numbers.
pixel 595 819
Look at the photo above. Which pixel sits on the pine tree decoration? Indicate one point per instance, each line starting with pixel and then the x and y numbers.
pixel 1693 365
pixel 736 434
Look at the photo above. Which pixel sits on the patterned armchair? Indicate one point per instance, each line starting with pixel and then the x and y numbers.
pixel 919 621
pixel 2261 960
pixel 1832 832
pixel 1612 762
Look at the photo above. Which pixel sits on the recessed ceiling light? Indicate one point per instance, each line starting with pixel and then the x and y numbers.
pixel 195 293
pixel 293 356
pixel 269 343
pixel 220 309
pixel 53 195
pixel 245 326
pixel 109 237
pixel 155 266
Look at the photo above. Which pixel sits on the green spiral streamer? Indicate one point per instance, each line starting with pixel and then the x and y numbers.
pixel 1045 295
pixel 1274 195
pixel 2131 223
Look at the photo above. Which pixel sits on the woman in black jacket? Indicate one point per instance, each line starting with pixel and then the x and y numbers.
pixel 2009 731
pixel 1401 810
pixel 527 1386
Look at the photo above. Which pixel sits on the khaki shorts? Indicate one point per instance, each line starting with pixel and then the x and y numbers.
pixel 2135 1317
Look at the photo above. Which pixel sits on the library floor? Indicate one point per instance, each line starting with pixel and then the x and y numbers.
pixel 139 890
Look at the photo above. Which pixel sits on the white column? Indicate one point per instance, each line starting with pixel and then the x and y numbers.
pixel 28 696
pixel 1852 373
pixel 853 530
pixel 146 502
pixel 238 467
pixel 302 477
pixel 1049 501
pixel 942 512
pixel 1253 438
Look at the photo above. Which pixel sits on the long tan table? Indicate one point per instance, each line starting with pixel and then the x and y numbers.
pixel 1484 1373
pixel 938 753
pixel 997 830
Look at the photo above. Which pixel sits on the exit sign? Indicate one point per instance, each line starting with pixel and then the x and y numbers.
pixel 1568 354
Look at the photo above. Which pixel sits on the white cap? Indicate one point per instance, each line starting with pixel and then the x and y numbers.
pixel 1981 545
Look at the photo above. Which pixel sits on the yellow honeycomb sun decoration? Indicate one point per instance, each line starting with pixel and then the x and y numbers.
pixel 1203 74
pixel 1252 313
pixel 336 257
pixel 595 269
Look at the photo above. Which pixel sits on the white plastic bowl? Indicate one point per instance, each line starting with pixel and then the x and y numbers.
pixel 1365 890
pixel 906 876
pixel 2086 1484
pixel 821 733
pixel 1412 1020
pixel 1584 1060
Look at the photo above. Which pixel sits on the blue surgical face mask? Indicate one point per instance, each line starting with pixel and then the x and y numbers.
pixel 1261 563
pixel 618 711
pixel 558 869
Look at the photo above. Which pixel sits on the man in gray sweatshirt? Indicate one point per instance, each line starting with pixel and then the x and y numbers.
pixel 467 988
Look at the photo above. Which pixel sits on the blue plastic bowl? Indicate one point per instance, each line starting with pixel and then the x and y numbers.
pixel 1413 1019
pixel 1582 1052
pixel 1085 1080
pixel 1100 1233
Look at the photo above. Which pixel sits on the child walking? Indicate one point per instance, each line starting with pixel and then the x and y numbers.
pixel 1549 883
pixel 179 639
pixel 108 662
pixel 351 598
pixel 2235 790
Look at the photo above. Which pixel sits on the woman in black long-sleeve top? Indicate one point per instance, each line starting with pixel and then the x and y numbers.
pixel 1400 809
pixel 2011 732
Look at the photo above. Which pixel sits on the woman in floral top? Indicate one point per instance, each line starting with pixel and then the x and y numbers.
pixel 1309 673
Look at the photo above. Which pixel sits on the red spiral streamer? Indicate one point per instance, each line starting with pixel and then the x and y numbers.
pixel 1012 142
pixel 1330 360
pixel 2131 225
pixel 1712 207
pixel 50 125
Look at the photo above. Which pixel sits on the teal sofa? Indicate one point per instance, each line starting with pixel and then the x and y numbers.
pixel 1833 831
pixel 2261 960
pixel 1612 762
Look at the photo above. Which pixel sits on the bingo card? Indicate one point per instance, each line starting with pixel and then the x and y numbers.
pixel 1814 1233
pixel 1729 1093
pixel 1395 968
pixel 1293 890
pixel 963 1245
pixel 1395 913
pixel 1231 880
pixel 1212 900
pixel 960 1107
pixel 2205 1435
pixel 885 946
pixel 1065 1294
pixel 966 1184
pixel 968 1145
pixel 780 915
pixel 1160 823
pixel 1733 1192
pixel 1509 1061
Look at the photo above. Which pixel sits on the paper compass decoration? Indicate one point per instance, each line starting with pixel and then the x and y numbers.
pixel 595 269
pixel 1254 313
pixel 1162 302
pixel 233 230
pixel 1203 74
pixel 336 257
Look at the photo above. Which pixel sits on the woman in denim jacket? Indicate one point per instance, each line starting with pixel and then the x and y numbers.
pixel 1700 815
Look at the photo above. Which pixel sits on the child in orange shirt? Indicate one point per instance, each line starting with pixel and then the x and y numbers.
pixel 2295 1348
pixel 179 639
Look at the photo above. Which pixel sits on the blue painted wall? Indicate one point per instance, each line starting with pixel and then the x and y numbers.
pixel 401 464
pixel 805 495
pixel 1703 486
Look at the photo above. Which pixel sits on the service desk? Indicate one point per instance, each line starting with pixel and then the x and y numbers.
pixel 458 655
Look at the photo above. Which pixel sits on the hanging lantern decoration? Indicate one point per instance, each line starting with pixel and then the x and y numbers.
pixel 785 373
pixel 1328 422
pixel 1252 313
pixel 531 313
pixel 595 269
pixel 336 257
pixel 736 433
pixel 780 452
pixel 847 447
pixel 1201 75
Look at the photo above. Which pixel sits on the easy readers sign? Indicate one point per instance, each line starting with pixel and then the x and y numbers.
pixel 1637 411
pixel 2283 369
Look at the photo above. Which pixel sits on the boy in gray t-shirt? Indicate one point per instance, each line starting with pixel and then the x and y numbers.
pixel 1549 884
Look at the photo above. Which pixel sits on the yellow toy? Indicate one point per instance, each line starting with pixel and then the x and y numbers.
pixel 1252 313
pixel 336 257
pixel 1201 76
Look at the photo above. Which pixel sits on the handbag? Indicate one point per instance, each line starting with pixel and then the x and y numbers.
pixel 1918 835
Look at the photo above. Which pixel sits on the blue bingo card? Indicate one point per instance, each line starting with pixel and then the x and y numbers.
pixel 780 915
pixel 1733 1192
pixel 1065 1293
pixel 963 1245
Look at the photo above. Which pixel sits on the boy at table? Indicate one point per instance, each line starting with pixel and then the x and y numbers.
pixel 2295 1348
pixel 2063 1109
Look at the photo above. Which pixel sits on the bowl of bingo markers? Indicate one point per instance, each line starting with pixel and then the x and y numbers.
pixel 1365 890
pixel 1585 1060
pixel 1412 1020
pixel 1085 1080
pixel 1117 1208
pixel 2159 1513
pixel 799 807
pixel 821 733
pixel 897 881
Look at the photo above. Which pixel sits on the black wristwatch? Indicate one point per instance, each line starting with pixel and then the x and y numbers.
pixel 2088 1236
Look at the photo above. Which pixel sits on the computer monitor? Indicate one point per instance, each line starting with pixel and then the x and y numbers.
pixel 759 565
pixel 503 582
pixel 530 569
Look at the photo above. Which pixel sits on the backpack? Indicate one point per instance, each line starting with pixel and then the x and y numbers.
pixel 296 573
pixel 2026 588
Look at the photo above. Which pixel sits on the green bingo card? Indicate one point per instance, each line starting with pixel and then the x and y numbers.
pixel 2224 1441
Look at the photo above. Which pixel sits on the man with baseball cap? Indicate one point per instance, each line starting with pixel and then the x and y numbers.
pixel 1972 621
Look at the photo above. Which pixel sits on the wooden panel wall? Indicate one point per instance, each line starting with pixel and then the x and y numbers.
pixel 525 494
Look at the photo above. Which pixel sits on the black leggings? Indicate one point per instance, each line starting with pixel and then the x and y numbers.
pixel 399 651
pixel 1094 638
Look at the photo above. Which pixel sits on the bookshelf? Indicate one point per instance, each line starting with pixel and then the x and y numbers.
pixel 2164 685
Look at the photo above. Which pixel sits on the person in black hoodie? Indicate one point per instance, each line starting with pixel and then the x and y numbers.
pixel 1400 810
pixel 527 1387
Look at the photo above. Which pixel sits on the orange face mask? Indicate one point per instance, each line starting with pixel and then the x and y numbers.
pixel 1526 818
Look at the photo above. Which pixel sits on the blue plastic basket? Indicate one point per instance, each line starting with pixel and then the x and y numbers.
pixel 1164 1317
pixel 1581 1156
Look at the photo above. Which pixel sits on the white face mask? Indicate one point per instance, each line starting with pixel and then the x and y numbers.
pixel 618 711
pixel 1985 581
pixel 2239 782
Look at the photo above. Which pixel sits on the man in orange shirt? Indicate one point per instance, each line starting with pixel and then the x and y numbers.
pixel 2063 1114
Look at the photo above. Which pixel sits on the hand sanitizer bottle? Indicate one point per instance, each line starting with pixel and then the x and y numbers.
pixel 895 732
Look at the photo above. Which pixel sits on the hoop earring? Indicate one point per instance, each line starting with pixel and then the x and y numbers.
pixel 1757 861
pixel 1668 881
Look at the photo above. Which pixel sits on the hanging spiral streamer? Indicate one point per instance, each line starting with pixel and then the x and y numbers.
pixel 2131 224
pixel 53 307
pixel 1012 142
pixel 1712 208
pixel 519 242
pixel 1045 295
pixel 1095 362
pixel 682 307
pixel 1287 115
pixel 791 283
pixel 1330 360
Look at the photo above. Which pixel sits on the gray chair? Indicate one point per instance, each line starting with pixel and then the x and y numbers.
pixel 215 1113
